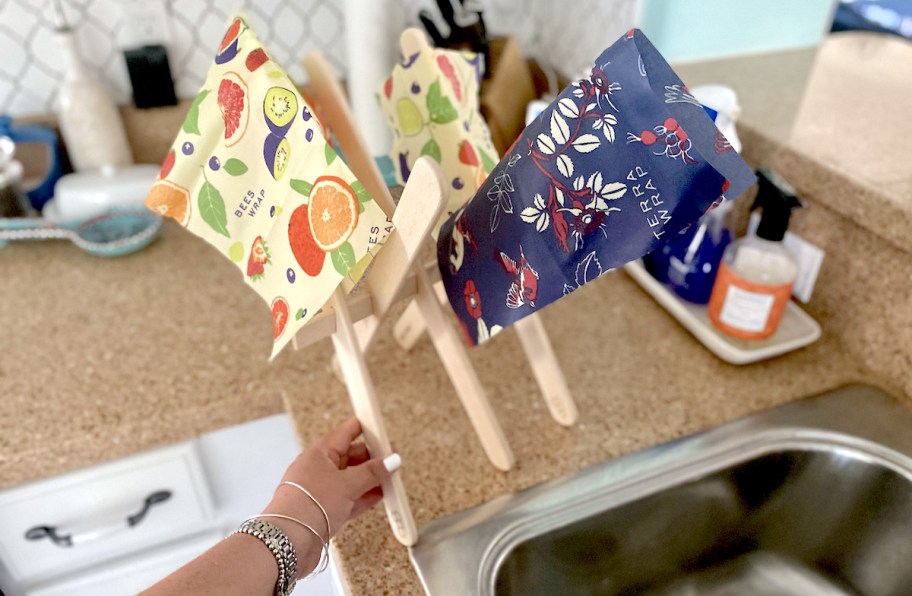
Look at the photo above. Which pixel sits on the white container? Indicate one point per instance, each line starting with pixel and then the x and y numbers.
pixel 89 120
pixel 82 195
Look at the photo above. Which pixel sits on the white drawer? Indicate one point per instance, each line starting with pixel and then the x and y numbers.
pixel 92 506
pixel 132 575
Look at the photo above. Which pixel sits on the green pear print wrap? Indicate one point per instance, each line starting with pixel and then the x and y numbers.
pixel 431 106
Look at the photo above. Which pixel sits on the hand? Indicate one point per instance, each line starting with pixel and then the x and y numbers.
pixel 340 474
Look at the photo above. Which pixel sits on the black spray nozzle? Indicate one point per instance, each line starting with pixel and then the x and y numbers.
pixel 776 198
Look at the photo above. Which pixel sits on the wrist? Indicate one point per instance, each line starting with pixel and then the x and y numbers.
pixel 307 545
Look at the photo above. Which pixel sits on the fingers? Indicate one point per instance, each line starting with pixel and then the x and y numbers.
pixel 340 438
pixel 370 474
pixel 367 501
pixel 357 455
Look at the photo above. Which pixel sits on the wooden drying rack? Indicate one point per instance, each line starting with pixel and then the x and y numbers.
pixel 395 274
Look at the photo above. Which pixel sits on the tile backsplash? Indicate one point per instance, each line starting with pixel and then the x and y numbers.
pixel 30 65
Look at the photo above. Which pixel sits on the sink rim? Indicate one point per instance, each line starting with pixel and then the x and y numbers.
pixel 859 421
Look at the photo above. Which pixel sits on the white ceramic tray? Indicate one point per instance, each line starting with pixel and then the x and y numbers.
pixel 796 330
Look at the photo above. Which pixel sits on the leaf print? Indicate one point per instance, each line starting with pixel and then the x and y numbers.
pixel 613 191
pixel 559 129
pixel 586 143
pixel 529 214
pixel 191 122
pixel 588 269
pixel 432 149
pixel 539 202
pixel 360 192
pixel 559 195
pixel 343 258
pixel 568 108
pixel 503 179
pixel 440 109
pixel 486 162
pixel 595 182
pixel 579 183
pixel 329 153
pixel 235 167
pixel 606 124
pixel 212 209
pixel 545 144
pixel 302 186
pixel 541 224
pixel 565 165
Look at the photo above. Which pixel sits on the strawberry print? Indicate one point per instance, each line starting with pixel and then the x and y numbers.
pixel 258 259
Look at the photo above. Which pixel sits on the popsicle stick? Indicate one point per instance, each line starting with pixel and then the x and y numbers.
pixel 547 371
pixel 456 361
pixel 412 41
pixel 424 195
pixel 364 402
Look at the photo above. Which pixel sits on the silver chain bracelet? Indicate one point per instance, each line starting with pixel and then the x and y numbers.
pixel 281 548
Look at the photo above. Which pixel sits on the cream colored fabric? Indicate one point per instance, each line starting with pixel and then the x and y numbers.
pixel 431 105
pixel 251 172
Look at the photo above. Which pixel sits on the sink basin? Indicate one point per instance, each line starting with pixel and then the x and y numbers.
pixel 811 498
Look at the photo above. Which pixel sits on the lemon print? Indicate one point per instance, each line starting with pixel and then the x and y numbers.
pixel 410 122
pixel 236 252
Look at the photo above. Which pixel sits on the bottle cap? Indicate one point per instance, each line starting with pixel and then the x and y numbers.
pixel 776 198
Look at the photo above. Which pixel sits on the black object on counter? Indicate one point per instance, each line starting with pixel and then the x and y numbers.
pixel 150 76
pixel 467 27
pixel 776 198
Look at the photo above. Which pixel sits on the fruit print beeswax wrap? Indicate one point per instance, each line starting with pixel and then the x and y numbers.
pixel 618 162
pixel 252 173
pixel 431 106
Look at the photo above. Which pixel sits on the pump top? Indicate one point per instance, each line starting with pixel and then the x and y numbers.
pixel 776 198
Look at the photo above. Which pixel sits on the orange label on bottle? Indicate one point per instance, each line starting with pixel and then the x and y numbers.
pixel 745 309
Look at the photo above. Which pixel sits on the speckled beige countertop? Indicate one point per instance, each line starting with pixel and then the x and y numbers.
pixel 103 358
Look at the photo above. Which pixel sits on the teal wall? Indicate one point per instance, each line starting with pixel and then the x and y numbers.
pixel 685 30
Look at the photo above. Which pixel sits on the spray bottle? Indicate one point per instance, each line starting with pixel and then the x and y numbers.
pixel 755 278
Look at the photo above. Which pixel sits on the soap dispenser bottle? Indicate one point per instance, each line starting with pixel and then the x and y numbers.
pixel 755 279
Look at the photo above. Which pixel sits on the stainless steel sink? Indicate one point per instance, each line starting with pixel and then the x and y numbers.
pixel 811 498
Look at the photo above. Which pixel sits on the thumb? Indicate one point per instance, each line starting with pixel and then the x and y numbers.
pixel 371 473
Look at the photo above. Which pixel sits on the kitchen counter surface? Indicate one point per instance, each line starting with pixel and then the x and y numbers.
pixel 105 358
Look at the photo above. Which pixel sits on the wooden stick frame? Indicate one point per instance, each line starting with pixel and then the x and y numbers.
pixel 531 331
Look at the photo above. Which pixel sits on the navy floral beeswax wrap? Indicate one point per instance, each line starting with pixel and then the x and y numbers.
pixel 616 164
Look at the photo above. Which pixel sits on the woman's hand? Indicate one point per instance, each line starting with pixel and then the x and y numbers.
pixel 339 473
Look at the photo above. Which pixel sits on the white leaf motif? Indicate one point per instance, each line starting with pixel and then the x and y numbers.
pixel 586 143
pixel 559 129
pixel 588 269
pixel 610 119
pixel 539 202
pixel 577 92
pixel 541 224
pixel 560 196
pixel 579 183
pixel 545 144
pixel 565 165
pixel 529 214
pixel 614 190
pixel 595 182
pixel 568 108
pixel 609 132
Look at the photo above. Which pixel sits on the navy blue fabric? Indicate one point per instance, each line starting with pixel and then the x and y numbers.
pixel 618 163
